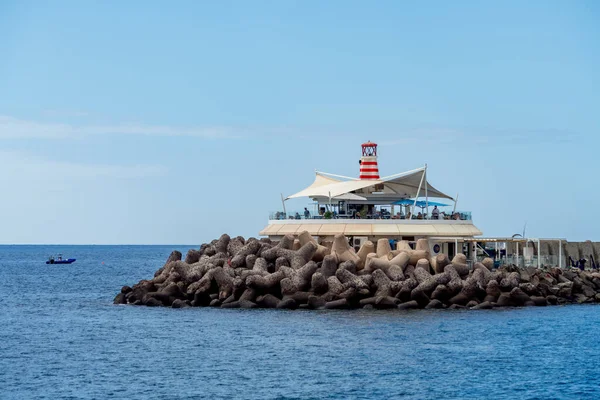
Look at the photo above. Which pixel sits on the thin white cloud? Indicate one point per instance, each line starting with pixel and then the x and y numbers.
pixel 441 136
pixel 425 136
pixel 14 128
pixel 65 113
pixel 21 166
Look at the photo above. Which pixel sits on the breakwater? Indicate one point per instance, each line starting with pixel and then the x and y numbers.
pixel 300 273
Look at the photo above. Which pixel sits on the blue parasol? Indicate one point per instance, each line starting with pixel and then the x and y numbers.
pixel 420 203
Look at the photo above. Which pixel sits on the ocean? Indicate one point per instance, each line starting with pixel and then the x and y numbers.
pixel 62 338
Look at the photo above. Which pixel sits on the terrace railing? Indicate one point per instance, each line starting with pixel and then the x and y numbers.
pixel 299 215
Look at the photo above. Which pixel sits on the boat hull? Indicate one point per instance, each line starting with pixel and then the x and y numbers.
pixel 68 261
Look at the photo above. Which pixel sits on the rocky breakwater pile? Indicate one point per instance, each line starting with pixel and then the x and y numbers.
pixel 299 273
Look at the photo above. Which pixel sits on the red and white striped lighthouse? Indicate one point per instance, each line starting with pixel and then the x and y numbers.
pixel 368 161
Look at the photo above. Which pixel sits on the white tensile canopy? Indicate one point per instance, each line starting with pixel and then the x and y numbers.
pixel 410 184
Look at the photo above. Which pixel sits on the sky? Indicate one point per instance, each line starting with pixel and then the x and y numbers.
pixel 147 122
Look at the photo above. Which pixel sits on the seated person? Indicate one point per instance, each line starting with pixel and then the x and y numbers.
pixel 297 216
pixel 419 216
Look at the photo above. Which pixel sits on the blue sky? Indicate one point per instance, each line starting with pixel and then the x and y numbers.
pixel 158 122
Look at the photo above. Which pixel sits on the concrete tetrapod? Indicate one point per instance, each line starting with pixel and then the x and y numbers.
pixel 441 260
pixel 383 248
pixel 304 237
pixel 366 248
pixel 342 250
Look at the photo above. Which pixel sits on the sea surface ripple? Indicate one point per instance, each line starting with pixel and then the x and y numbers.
pixel 61 337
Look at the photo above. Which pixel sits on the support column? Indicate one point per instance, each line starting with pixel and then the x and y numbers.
pixel 283 203
pixel 496 254
pixel 426 195
pixel 455 247
pixel 418 193
pixel 560 253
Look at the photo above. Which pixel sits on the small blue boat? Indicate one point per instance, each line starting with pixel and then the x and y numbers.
pixel 59 260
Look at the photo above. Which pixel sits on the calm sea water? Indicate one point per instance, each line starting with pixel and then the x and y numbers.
pixel 61 337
